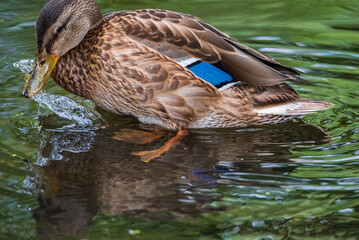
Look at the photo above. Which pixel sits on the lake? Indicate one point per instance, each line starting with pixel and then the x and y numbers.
pixel 63 176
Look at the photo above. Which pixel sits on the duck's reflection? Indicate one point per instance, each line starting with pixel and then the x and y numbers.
pixel 80 172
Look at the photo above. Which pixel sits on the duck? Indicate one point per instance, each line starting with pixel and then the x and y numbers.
pixel 162 67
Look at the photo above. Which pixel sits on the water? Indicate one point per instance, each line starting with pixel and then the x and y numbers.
pixel 63 176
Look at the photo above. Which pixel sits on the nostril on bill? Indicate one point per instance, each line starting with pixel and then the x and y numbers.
pixel 26 93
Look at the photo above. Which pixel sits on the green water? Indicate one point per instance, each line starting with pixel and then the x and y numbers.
pixel 298 180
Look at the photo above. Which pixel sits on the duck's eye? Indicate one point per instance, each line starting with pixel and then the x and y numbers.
pixel 42 62
pixel 59 30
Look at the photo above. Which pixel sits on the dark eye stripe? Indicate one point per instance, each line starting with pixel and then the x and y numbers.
pixel 64 25
pixel 47 17
pixel 50 43
pixel 52 40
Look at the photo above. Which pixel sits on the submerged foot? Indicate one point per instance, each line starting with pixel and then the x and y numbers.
pixel 147 156
pixel 138 137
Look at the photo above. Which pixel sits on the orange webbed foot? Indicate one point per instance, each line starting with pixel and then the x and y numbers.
pixel 147 156
pixel 138 137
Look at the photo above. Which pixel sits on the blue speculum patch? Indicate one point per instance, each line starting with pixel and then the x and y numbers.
pixel 211 74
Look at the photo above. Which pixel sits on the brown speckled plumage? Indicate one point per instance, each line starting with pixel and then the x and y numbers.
pixel 128 63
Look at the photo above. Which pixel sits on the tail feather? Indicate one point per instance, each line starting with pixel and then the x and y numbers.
pixel 298 107
pixel 255 68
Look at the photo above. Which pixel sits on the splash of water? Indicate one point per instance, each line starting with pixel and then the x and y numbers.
pixel 68 108
pixel 65 107
pixel 25 65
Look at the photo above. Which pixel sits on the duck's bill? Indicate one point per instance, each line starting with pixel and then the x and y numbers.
pixel 39 75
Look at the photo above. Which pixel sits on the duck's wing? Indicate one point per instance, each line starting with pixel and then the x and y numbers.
pixel 158 83
pixel 181 35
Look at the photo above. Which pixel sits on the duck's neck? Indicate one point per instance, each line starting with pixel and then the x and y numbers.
pixel 92 11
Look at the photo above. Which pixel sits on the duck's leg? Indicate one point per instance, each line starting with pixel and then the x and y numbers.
pixel 137 136
pixel 147 156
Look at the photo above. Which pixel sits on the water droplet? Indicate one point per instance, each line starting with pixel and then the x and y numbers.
pixel 25 65
pixel 68 108
pixel 134 232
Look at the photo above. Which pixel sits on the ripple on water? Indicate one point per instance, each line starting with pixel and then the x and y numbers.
pixel 286 181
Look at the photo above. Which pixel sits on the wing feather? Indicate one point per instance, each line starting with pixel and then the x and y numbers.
pixel 171 91
pixel 160 29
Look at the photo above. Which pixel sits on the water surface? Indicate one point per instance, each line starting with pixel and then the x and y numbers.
pixel 63 176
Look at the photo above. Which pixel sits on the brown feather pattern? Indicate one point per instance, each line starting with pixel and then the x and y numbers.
pixel 206 43
pixel 119 66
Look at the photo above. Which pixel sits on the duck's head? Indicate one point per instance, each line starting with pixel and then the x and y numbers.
pixel 61 26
